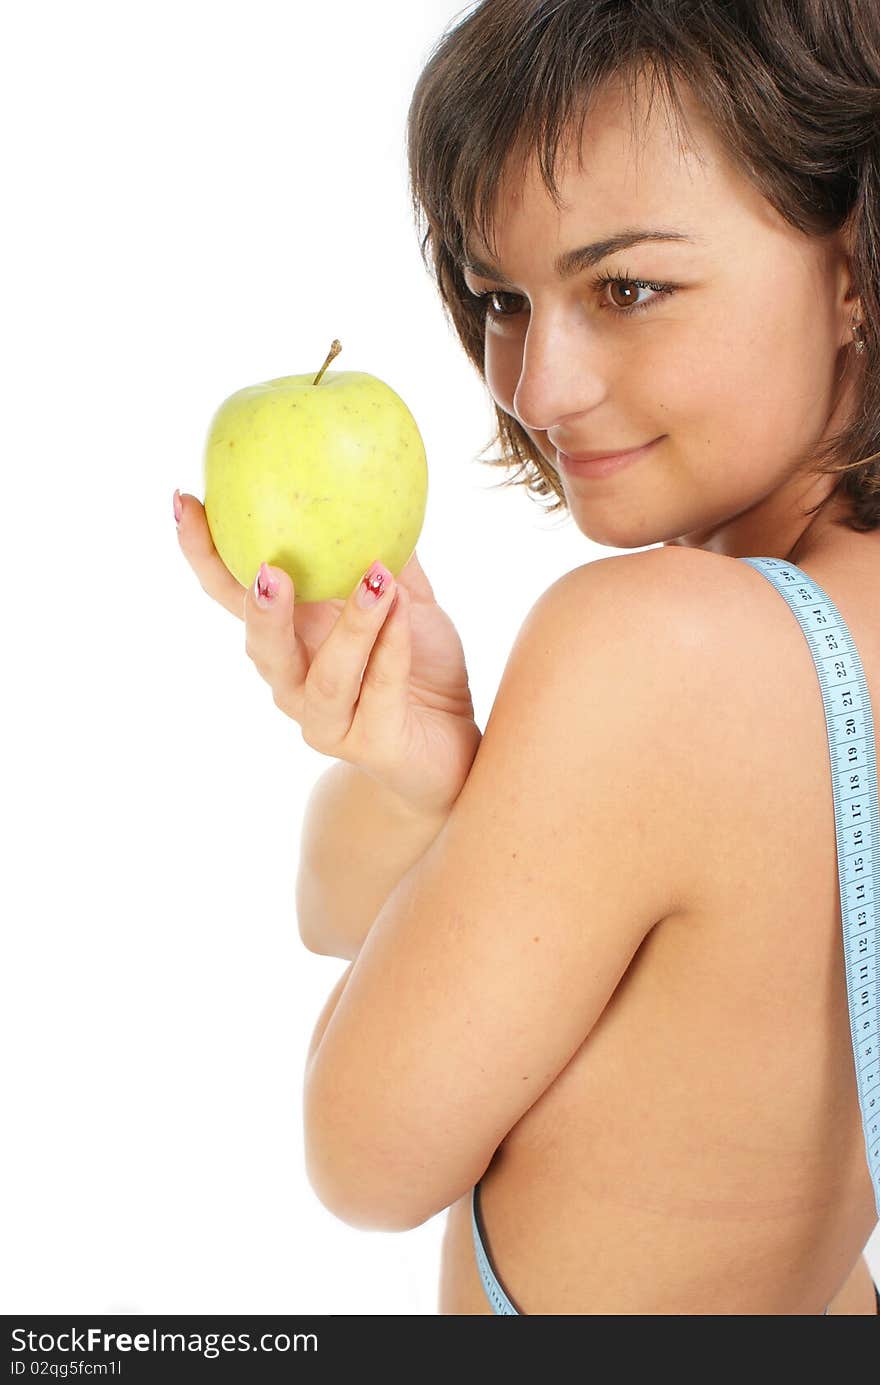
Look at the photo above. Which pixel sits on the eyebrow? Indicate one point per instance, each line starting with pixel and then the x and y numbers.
pixel 573 261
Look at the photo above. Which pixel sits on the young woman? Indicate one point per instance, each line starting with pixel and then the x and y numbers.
pixel 612 995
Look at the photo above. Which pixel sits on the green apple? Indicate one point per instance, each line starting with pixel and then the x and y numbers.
pixel 318 475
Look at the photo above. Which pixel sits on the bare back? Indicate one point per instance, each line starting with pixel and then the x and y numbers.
pixel 703 1151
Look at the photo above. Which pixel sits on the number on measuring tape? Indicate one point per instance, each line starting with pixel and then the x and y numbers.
pixel 850 728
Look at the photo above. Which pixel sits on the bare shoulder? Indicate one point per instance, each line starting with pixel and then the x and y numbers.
pixel 658 628
pixel 699 601
pixel 643 652
pixel 676 612
pixel 719 630
pixel 681 578
pixel 735 687
pixel 694 648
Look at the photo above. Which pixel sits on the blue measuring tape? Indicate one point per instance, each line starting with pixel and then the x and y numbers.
pixel 850 728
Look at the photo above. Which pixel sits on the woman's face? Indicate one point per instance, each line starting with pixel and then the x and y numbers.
pixel 734 368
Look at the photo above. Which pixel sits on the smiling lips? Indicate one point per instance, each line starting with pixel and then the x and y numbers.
pixel 597 456
pixel 599 463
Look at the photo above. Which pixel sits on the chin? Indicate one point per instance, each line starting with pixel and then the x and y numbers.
pixel 615 531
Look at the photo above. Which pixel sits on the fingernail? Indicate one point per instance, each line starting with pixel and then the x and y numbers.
pixel 265 586
pixel 178 507
pixel 373 586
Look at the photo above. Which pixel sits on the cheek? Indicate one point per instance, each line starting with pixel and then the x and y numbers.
pixel 751 387
pixel 767 356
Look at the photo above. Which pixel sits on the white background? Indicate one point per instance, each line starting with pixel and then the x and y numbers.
pixel 199 196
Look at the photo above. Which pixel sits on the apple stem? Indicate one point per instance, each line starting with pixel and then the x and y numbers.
pixel 332 354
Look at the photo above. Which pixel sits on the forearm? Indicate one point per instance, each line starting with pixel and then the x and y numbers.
pixel 358 841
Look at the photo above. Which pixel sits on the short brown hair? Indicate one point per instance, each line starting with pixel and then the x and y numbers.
pixel 792 88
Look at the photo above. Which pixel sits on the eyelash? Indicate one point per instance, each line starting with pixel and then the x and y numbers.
pixel 601 281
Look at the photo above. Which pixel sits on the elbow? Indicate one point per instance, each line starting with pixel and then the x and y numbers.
pixel 345 1178
pixel 348 1202
pixel 355 1213
pixel 312 943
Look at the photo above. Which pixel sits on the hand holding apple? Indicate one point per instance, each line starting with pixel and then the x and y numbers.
pixel 385 689
pixel 317 475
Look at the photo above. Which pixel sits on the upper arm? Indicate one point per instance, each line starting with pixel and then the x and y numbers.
pixel 492 960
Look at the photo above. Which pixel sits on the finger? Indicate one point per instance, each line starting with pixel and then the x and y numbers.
pixel 384 701
pixel 333 684
pixel 271 640
pixel 197 547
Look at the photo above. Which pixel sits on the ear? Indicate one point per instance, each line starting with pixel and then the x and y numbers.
pixel 848 301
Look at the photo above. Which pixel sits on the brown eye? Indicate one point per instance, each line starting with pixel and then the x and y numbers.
pixel 491 303
pixel 628 289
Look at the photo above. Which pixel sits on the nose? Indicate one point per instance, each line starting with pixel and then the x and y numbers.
pixel 560 374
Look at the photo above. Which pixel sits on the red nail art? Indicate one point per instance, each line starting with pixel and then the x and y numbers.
pixel 373 585
pixel 265 586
